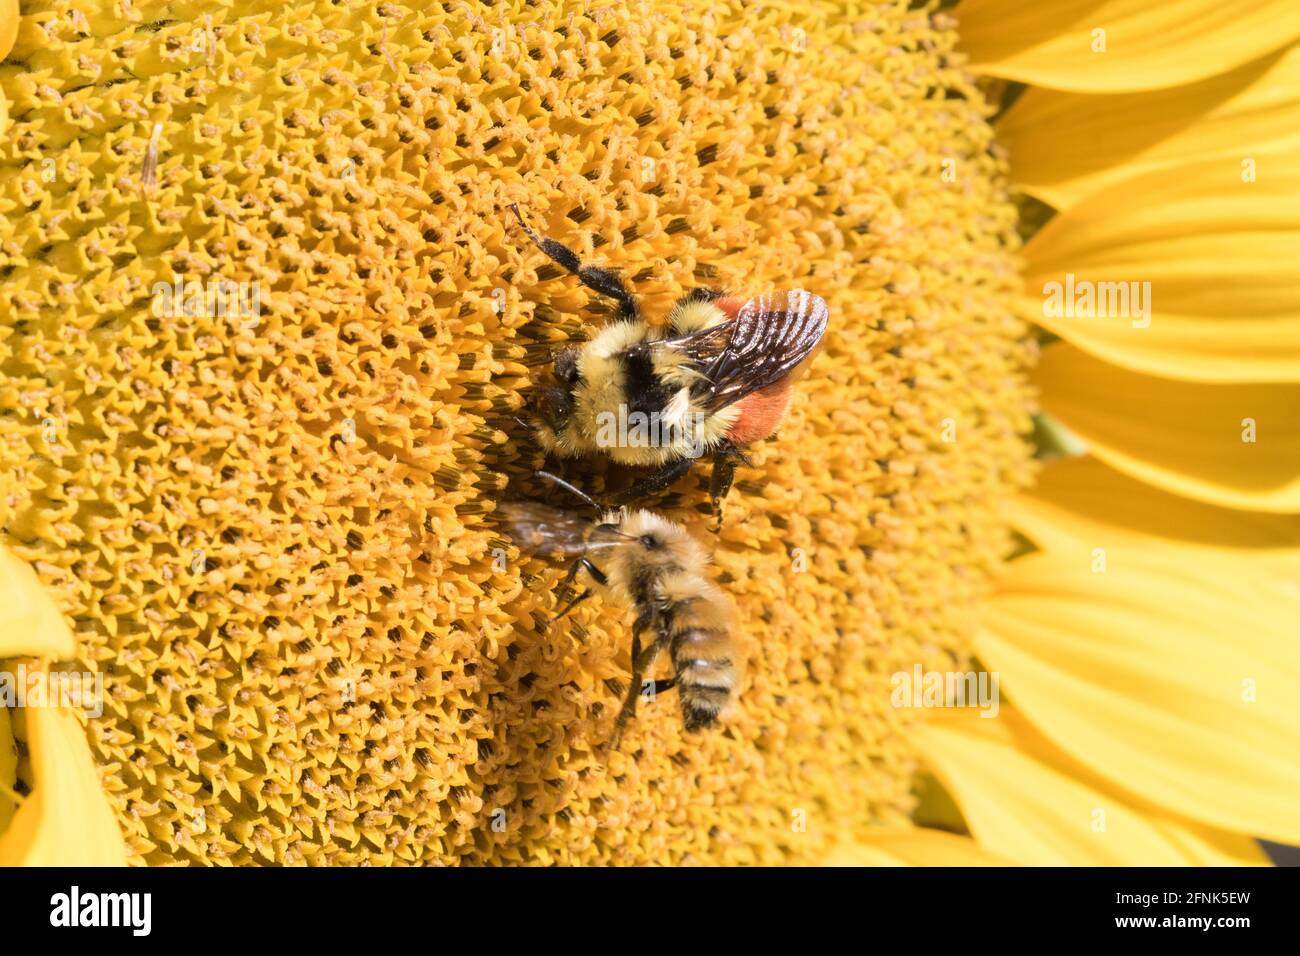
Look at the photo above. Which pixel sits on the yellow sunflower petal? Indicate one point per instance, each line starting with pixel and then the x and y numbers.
pixel 916 847
pixel 66 820
pixel 1065 146
pixel 8 768
pixel 1231 445
pixel 1175 680
pixel 1026 800
pixel 30 624
pixel 1200 270
pixel 8 27
pixel 1141 46
pixel 1082 501
pixel 858 854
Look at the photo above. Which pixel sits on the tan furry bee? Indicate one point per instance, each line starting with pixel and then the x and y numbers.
pixel 718 378
pixel 655 567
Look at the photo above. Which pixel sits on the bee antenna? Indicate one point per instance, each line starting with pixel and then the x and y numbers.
pixel 570 488
pixel 534 237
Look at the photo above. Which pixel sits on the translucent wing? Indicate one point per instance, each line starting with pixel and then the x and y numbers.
pixel 545 530
pixel 769 337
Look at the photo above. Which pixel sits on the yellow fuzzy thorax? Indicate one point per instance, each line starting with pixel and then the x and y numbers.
pixel 272 527
pixel 601 423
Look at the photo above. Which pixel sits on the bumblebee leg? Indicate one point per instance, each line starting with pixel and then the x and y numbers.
pixel 596 573
pixel 571 573
pixel 599 280
pixel 642 660
pixel 640 624
pixel 724 472
pixel 571 605
pixel 625 713
pixel 655 481
pixel 701 294
pixel 638 627
pixel 665 683
pixel 648 656
pixel 609 284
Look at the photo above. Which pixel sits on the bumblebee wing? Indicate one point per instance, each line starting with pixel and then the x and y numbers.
pixel 769 337
pixel 542 529
pixel 702 348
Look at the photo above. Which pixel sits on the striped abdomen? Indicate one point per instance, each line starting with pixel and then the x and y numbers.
pixel 704 653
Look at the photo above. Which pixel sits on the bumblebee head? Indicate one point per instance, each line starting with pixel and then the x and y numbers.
pixel 659 542
pixel 552 405
pixel 566 367
pixel 583 385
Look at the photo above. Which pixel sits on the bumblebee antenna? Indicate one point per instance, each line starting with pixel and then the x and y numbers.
pixel 570 488
pixel 537 240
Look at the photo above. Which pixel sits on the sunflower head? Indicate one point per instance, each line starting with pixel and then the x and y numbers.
pixel 271 342
pixel 274 527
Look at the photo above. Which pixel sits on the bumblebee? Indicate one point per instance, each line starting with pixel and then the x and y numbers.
pixel 653 566
pixel 717 378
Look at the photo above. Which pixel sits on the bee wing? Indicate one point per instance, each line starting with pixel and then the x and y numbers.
pixel 766 341
pixel 543 529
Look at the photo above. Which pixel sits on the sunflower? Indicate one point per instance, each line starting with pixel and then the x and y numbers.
pixel 267 331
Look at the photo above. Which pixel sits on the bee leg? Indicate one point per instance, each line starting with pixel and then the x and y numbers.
pixel 609 284
pixel 663 684
pixel 642 660
pixel 571 573
pixel 656 481
pixel 625 713
pixel 596 573
pixel 725 457
pixel 724 472
pixel 701 294
pixel 571 605
pixel 634 687
pixel 599 280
